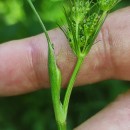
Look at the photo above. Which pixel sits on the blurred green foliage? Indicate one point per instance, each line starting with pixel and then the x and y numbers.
pixel 34 111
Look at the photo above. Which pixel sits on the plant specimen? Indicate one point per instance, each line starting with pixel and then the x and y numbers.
pixel 84 20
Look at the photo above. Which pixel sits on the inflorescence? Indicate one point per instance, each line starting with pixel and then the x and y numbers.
pixel 84 20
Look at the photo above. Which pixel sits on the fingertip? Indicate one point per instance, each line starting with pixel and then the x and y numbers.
pixel 113 117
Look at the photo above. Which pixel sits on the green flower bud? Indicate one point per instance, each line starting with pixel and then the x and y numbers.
pixel 91 22
pixel 79 10
pixel 107 5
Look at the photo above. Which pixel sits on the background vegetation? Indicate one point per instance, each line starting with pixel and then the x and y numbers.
pixel 34 111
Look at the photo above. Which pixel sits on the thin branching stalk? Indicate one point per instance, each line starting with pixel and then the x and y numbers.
pixel 71 83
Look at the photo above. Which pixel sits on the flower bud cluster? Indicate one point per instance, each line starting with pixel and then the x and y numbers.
pixel 79 10
pixel 87 29
pixel 84 22
pixel 107 5
pixel 90 24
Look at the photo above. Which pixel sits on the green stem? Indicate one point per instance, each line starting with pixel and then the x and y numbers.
pixel 71 84
pixel 77 31
pixel 77 37
pixel 54 75
pixel 39 19
pixel 62 126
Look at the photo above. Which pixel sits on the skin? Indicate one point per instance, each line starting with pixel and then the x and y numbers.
pixel 23 67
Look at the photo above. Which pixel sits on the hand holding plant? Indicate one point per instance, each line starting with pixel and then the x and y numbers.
pixel 84 21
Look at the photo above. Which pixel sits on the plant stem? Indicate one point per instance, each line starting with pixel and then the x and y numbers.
pixel 77 38
pixel 71 84
pixel 54 76
pixel 62 126
pixel 39 18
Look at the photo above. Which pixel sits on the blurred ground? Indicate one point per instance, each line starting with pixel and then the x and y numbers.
pixel 34 111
